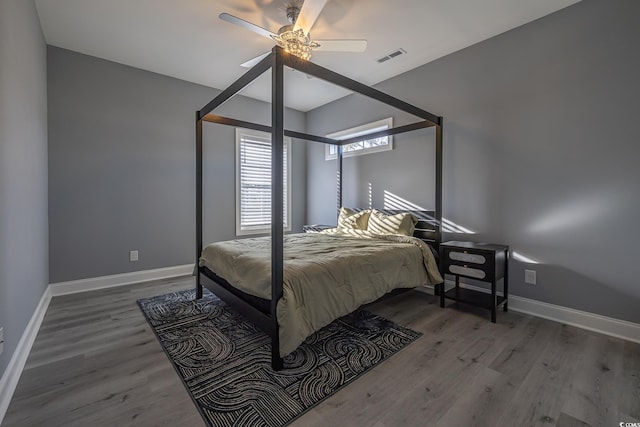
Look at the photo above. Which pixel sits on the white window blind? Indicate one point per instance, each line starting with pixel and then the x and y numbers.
pixel 253 182
pixel 361 147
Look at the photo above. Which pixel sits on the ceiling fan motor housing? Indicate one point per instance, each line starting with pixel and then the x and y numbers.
pixel 292 14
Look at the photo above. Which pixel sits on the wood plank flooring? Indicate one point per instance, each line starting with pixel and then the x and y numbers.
pixel 96 362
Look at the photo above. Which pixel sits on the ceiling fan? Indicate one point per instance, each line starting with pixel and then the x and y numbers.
pixel 295 37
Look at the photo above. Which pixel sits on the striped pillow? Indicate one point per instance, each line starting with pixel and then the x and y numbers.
pixel 402 223
pixel 351 220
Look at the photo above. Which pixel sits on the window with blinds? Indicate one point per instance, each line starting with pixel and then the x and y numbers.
pixel 253 182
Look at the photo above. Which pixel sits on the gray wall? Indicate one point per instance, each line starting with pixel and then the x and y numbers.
pixel 23 169
pixel 540 151
pixel 122 167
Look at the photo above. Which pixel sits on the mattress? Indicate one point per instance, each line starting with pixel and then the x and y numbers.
pixel 325 276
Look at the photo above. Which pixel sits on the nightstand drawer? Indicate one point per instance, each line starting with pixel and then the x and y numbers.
pixel 470 263
pixel 467 257
pixel 467 271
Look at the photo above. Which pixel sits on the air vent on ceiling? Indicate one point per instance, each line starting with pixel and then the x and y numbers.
pixel 392 55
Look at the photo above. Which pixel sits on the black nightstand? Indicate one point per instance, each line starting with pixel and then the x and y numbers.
pixel 478 261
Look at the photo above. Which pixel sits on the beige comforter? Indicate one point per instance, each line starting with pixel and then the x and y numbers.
pixel 326 276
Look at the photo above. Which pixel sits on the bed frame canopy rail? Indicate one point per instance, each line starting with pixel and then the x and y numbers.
pixel 266 317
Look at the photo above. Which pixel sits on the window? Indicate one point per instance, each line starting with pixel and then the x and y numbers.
pixel 361 147
pixel 253 182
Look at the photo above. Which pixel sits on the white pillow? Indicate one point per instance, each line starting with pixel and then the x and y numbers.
pixel 402 223
pixel 351 220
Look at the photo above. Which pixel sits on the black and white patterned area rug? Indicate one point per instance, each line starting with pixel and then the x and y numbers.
pixel 225 361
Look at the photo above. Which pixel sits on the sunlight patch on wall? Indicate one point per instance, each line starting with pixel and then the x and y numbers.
pixel 394 202
pixel 522 258
pixel 577 212
pixel 452 227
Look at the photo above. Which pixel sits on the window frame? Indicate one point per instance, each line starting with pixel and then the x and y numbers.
pixel 252 230
pixel 360 130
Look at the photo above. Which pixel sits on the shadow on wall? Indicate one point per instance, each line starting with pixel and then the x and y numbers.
pixel 468 171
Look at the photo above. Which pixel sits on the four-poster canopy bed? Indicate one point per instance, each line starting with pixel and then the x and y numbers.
pixel 264 312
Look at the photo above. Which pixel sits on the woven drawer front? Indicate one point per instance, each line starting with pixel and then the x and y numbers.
pixel 466 257
pixel 467 271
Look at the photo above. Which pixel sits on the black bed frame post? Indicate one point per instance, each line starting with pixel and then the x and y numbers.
pixel 438 212
pixel 198 201
pixel 277 245
pixel 339 178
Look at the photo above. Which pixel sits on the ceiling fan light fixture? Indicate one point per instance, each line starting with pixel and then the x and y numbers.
pixel 296 42
pixel 295 38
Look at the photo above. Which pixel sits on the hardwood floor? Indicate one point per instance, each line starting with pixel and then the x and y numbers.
pixel 96 362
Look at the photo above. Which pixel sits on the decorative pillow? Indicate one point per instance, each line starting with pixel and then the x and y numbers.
pixel 402 223
pixel 350 220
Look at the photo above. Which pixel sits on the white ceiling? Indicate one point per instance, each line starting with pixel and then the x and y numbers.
pixel 185 39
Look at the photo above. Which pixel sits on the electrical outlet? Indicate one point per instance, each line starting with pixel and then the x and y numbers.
pixel 1 339
pixel 530 277
pixel 133 256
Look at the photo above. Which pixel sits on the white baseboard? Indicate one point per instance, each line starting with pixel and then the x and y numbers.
pixel 12 373
pixel 582 319
pixel 103 282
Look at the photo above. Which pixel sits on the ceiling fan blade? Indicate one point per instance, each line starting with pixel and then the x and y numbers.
pixel 246 24
pixel 308 14
pixel 341 45
pixel 250 63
